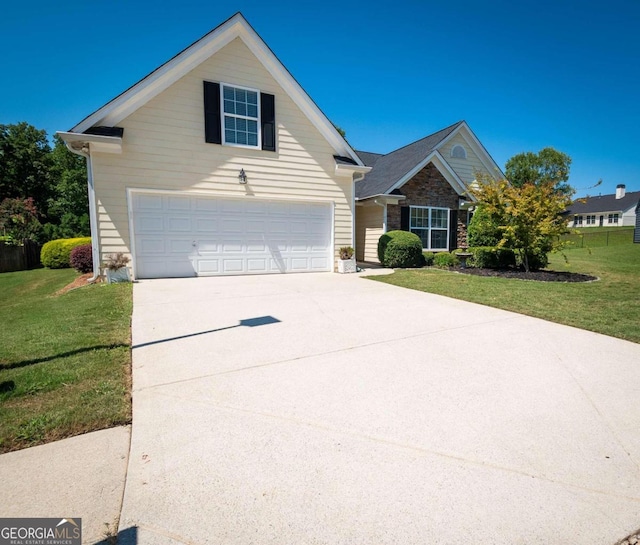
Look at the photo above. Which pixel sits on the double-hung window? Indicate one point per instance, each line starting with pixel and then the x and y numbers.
pixel 239 116
pixel 241 113
pixel 613 218
pixel 578 220
pixel 591 220
pixel 431 225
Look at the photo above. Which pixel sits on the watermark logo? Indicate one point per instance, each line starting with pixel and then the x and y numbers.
pixel 40 531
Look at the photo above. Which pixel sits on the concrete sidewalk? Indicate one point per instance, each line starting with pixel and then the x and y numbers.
pixel 332 409
pixel 82 476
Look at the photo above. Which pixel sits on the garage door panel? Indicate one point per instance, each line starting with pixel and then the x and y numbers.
pixel 209 266
pixel 150 224
pixel 150 246
pixel 231 225
pixel 181 235
pixel 206 225
pixel 148 202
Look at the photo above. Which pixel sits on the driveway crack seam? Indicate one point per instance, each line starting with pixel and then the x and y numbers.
pixel 406 446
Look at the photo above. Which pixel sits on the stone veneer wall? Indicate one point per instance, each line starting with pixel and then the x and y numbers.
pixel 429 188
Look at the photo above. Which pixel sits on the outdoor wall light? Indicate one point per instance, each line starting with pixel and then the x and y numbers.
pixel 242 176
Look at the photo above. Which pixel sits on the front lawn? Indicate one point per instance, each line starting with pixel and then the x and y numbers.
pixel 64 359
pixel 610 306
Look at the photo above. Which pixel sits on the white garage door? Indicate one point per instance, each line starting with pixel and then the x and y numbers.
pixel 179 235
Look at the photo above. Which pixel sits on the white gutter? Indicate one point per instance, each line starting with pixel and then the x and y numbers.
pixel 93 209
pixel 384 214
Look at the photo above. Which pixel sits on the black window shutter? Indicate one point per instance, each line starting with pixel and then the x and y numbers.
pixel 268 120
pixel 453 230
pixel 404 218
pixel 212 121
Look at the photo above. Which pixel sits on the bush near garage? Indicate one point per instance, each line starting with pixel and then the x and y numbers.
pixel 400 249
pixel 56 254
pixel 81 258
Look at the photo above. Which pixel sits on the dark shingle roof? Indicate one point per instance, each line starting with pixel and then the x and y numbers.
pixel 390 168
pixel 605 203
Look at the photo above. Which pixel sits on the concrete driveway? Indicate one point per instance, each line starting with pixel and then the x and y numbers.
pixel 326 408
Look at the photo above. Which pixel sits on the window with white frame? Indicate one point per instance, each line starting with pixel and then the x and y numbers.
pixel 241 111
pixel 577 220
pixel 431 225
pixel 458 152
pixel 613 218
pixel 591 220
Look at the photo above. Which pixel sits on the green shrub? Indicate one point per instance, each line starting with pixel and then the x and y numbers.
pixel 488 257
pixel 537 261
pixel 56 254
pixel 81 258
pixel 483 229
pixel 445 260
pixel 400 249
pixel 428 258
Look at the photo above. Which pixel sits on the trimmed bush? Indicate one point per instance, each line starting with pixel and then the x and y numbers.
pixel 400 249
pixel 488 257
pixel 445 260
pixel 56 254
pixel 428 258
pixel 81 258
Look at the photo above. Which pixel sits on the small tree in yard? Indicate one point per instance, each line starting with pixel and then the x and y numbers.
pixel 19 220
pixel 527 219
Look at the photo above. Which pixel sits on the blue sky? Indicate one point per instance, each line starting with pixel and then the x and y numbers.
pixel 524 75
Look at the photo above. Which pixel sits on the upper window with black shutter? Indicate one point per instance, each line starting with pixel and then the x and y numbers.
pixel 239 116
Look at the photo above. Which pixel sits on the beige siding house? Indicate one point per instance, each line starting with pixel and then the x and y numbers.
pixel 217 163
pixel 422 188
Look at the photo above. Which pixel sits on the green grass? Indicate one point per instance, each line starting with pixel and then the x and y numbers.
pixel 610 306
pixel 64 359
pixel 595 237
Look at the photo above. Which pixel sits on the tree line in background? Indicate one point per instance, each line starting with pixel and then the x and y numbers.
pixel 43 189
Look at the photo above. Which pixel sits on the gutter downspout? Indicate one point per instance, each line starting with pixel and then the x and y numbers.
pixel 93 212
pixel 384 214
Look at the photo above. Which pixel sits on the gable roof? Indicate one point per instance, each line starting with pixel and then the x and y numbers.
pixel 389 169
pixel 392 170
pixel 605 203
pixel 160 79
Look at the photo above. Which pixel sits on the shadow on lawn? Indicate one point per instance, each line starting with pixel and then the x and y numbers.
pixel 25 363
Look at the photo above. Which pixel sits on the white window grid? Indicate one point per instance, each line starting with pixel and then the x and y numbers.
pixel 240 108
pixel 431 224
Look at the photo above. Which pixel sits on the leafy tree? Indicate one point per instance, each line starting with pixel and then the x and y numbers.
pixel 527 219
pixel 483 231
pixel 19 220
pixel 68 208
pixel 548 166
pixel 25 160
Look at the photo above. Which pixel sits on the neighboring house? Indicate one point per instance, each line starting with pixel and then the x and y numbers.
pixel 615 210
pixel 421 188
pixel 636 231
pixel 218 162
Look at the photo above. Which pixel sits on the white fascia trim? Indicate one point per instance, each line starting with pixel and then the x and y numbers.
pixel 237 27
pixel 388 199
pixel 349 170
pixel 104 144
pixel 436 158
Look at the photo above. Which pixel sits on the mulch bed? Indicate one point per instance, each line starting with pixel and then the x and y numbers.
pixel 539 276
